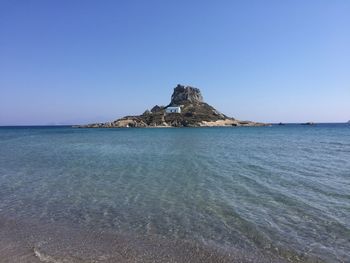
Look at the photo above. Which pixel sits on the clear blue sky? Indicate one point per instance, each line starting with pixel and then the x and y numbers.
pixel 85 61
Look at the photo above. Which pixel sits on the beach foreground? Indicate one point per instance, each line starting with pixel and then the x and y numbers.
pixel 28 242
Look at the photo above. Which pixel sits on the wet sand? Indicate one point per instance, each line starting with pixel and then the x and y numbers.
pixel 35 242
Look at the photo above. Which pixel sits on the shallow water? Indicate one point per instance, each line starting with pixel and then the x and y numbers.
pixel 280 191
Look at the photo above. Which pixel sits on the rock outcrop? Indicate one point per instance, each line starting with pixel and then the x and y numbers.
pixel 185 94
pixel 309 123
pixel 194 113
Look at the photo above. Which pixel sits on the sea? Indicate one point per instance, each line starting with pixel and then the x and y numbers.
pixel 237 194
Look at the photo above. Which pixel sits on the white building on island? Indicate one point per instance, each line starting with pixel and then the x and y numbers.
pixel 176 109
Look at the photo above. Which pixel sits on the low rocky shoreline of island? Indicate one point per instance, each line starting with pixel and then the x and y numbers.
pixel 131 123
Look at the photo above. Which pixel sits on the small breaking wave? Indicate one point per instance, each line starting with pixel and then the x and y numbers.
pixel 46 258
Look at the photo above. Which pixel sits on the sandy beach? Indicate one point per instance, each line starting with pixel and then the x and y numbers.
pixel 37 242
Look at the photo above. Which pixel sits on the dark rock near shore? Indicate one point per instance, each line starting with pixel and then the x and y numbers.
pixel 194 113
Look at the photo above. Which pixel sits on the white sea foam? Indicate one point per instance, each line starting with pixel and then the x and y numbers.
pixel 47 258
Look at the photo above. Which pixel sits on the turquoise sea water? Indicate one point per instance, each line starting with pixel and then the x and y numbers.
pixel 280 190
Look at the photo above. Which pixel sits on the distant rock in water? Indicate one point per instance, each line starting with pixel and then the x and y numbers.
pixel 186 109
pixel 309 123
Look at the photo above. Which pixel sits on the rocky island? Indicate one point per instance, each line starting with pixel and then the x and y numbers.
pixel 186 109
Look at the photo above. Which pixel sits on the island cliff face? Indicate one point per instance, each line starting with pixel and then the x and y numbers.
pixel 194 113
pixel 184 94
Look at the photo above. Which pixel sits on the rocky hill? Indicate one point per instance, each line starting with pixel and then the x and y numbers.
pixel 194 113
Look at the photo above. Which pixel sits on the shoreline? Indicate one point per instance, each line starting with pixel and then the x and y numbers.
pixel 204 124
pixel 35 242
